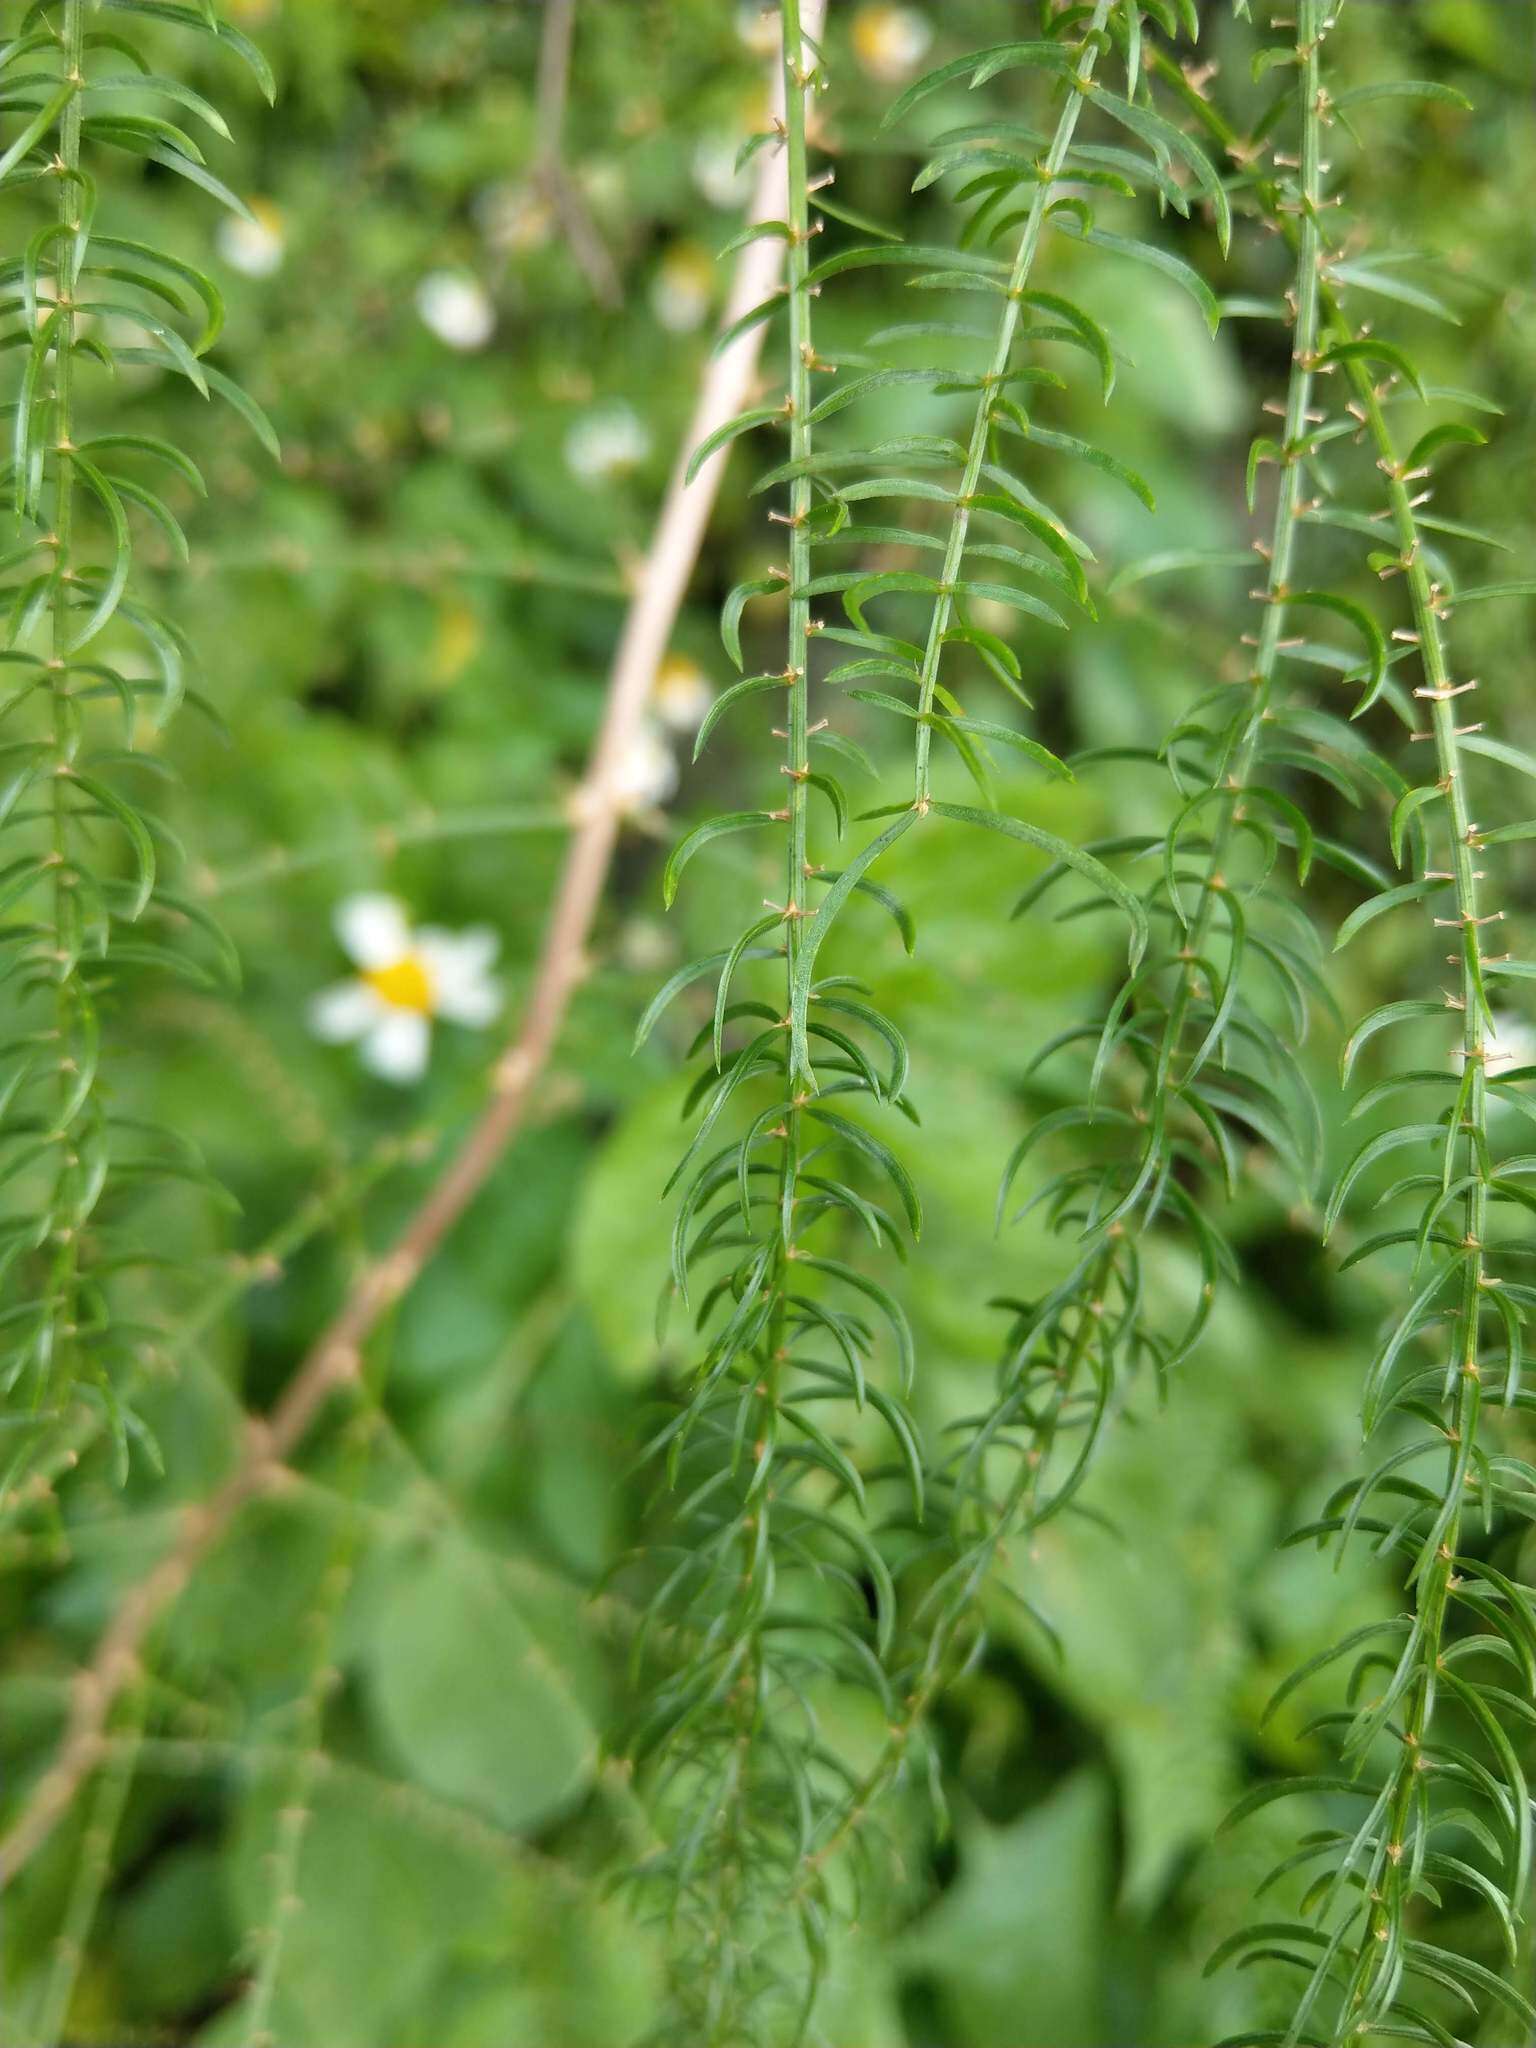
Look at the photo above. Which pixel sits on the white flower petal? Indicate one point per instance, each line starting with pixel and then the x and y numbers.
pixel 456 962
pixel 396 1048
pixel 715 171
pixel 681 695
pixel 345 1011
pixel 457 309
pixel 758 27
pixel 606 442
pixel 470 951
pixel 373 929
pixel 647 775
pixel 474 1002
pixel 253 247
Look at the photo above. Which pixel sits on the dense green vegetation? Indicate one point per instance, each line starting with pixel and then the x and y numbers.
pixel 435 1729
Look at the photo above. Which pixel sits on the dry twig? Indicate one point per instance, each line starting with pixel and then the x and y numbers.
pixel 576 223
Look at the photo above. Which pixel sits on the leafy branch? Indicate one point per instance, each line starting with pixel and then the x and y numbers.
pixel 1430 1747
pixel 78 922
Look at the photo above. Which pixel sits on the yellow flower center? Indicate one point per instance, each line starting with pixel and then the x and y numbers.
pixel 404 984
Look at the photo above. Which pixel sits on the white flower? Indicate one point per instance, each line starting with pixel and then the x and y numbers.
pixel 716 174
pixel 647 775
pixel 253 247
pixel 406 979
pixel 457 308
pixel 681 695
pixel 1511 1043
pixel 682 288
pixel 890 42
pixel 606 442
pixel 758 27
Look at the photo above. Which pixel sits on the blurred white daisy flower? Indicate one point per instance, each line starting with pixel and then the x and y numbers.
pixel 457 309
pixel 1511 1043
pixel 683 288
pixel 647 774
pixel 758 27
pixel 681 694
pixel 890 42
pixel 606 442
pixel 406 978
pixel 715 170
pixel 254 247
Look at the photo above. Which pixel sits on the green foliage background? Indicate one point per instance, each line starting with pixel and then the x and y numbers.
pixel 407 629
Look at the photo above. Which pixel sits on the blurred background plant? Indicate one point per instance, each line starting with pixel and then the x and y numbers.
pixel 355 1790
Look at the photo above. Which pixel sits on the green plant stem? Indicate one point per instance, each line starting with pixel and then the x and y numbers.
pixel 67 1214
pixel 492 821
pixel 93 1863
pixel 1378 1956
pixel 981 426
pixel 307 1761
pixel 1237 768
pixel 416 571
pixel 1235 763
pixel 1013 1516
pixel 796 763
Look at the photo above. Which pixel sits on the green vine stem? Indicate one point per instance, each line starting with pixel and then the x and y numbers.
pixel 1079 79
pixel 74 1023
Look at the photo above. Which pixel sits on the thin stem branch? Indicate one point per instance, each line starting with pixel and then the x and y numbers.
pixel 586 244
pixel 981 426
